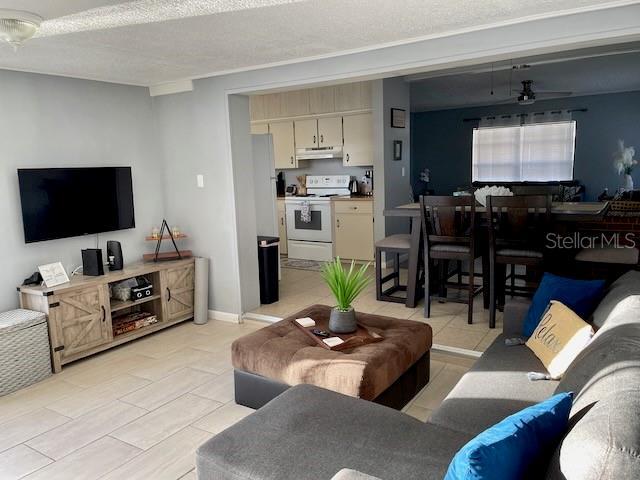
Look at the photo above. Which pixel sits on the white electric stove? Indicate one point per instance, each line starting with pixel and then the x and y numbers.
pixel 313 240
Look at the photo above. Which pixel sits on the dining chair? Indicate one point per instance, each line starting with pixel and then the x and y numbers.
pixel 517 228
pixel 449 233
pixel 393 247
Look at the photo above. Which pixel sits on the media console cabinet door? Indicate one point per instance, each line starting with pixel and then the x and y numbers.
pixel 82 319
pixel 178 295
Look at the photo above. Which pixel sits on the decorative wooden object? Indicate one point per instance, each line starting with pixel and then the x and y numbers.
pixel 362 336
pixel 158 255
pixel 80 311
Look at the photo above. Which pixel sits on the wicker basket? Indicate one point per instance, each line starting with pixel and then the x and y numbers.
pixel 24 349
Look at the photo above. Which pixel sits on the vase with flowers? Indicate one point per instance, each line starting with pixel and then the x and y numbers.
pixel 624 164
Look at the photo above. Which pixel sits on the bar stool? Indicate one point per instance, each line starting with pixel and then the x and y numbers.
pixel 448 225
pixel 517 228
pixel 393 246
pixel 607 261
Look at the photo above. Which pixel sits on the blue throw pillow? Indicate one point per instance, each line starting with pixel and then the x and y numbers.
pixel 581 296
pixel 506 450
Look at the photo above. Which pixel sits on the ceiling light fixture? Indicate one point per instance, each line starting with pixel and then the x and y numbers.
pixel 17 26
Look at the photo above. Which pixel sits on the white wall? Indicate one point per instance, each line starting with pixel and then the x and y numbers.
pixel 56 122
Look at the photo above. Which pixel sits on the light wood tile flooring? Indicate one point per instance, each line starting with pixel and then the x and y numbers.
pixel 140 411
pixel 301 288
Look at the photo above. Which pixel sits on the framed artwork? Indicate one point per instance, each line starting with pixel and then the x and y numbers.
pixel 397 150
pixel 398 118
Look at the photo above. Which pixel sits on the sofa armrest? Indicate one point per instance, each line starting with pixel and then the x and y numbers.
pixel 515 312
pixel 348 474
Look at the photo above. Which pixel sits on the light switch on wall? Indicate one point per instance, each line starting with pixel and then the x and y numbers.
pixel 200 181
pixel 403 171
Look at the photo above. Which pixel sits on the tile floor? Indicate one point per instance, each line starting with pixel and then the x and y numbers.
pixel 140 410
pixel 300 288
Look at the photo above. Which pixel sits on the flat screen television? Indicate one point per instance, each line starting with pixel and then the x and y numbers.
pixel 69 202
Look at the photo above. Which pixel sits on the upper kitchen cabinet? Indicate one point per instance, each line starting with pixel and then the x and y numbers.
pixel 358 140
pixel 320 132
pixel 259 128
pixel 295 103
pixel 256 107
pixel 306 133
pixel 353 96
pixel 330 131
pixel 322 100
pixel 284 150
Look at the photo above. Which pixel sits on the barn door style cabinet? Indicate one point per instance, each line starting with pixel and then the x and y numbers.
pixel 85 318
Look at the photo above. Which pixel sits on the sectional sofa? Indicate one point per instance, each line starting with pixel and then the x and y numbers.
pixel 312 433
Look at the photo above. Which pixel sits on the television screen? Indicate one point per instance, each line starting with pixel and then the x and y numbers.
pixel 68 202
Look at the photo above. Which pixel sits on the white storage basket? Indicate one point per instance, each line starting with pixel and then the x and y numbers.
pixel 24 349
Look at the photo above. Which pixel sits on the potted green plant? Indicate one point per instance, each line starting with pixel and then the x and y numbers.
pixel 345 285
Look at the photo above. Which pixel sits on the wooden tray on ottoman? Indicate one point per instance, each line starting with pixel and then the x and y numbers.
pixel 362 336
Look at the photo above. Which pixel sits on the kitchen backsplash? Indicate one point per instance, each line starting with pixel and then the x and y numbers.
pixel 323 167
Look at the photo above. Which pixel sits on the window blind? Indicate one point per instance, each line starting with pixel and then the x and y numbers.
pixel 526 153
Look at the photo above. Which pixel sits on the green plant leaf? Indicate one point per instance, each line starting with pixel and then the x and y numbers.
pixel 345 285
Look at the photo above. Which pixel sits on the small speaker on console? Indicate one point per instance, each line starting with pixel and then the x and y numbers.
pixel 92 262
pixel 114 255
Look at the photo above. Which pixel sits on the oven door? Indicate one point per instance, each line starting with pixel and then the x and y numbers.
pixel 317 230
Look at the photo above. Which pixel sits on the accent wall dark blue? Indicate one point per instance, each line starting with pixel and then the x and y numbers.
pixel 441 141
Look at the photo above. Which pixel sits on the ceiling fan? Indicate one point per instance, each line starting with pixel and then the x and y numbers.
pixel 527 96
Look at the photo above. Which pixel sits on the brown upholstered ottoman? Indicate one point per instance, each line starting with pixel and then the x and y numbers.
pixel 389 372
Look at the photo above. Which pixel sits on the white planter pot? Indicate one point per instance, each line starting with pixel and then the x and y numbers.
pixel 628 182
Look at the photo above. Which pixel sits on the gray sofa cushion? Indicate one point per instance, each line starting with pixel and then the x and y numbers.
pixel 611 362
pixel 495 387
pixel 604 443
pixel 625 286
pixel 312 433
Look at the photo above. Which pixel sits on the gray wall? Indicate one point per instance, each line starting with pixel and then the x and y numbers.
pixel 397 187
pixel 58 122
pixel 441 141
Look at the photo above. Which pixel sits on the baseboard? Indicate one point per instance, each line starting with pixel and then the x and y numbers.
pixel 455 350
pixel 260 317
pixel 224 316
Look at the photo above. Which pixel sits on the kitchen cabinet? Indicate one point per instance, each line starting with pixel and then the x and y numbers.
pixel 282 227
pixel 330 132
pixel 273 106
pixel 256 107
pixel 320 132
pixel 322 100
pixel 353 96
pixel 259 128
pixel 358 140
pixel 353 229
pixel 284 151
pixel 306 133
pixel 295 103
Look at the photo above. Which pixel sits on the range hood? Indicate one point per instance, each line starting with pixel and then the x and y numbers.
pixel 320 153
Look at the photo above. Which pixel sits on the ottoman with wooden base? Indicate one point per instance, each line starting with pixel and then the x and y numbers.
pixel 390 372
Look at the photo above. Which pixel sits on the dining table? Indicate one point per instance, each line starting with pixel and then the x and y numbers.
pixel 560 212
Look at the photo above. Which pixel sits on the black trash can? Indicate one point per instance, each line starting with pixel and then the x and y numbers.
pixel 268 253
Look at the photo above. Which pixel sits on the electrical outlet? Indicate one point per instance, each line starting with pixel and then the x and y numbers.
pixel 200 181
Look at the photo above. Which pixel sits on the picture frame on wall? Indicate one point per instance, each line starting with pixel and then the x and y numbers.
pixel 397 150
pixel 398 118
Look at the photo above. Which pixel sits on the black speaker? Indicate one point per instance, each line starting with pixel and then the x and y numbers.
pixel 92 262
pixel 114 255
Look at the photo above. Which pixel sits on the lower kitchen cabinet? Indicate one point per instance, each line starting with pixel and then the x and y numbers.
pixel 353 229
pixel 282 227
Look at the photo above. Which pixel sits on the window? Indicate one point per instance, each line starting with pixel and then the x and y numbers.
pixel 541 152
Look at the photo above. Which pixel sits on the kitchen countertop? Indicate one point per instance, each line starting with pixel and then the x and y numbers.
pixel 368 198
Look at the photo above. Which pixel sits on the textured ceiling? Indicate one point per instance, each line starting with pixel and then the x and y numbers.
pixel 146 42
pixel 582 76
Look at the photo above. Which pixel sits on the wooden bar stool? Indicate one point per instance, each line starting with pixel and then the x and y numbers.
pixel 393 246
pixel 517 228
pixel 448 225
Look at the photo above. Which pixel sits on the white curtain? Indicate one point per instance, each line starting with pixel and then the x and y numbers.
pixel 540 148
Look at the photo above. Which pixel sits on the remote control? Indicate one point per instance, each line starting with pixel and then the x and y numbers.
pixel 320 333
